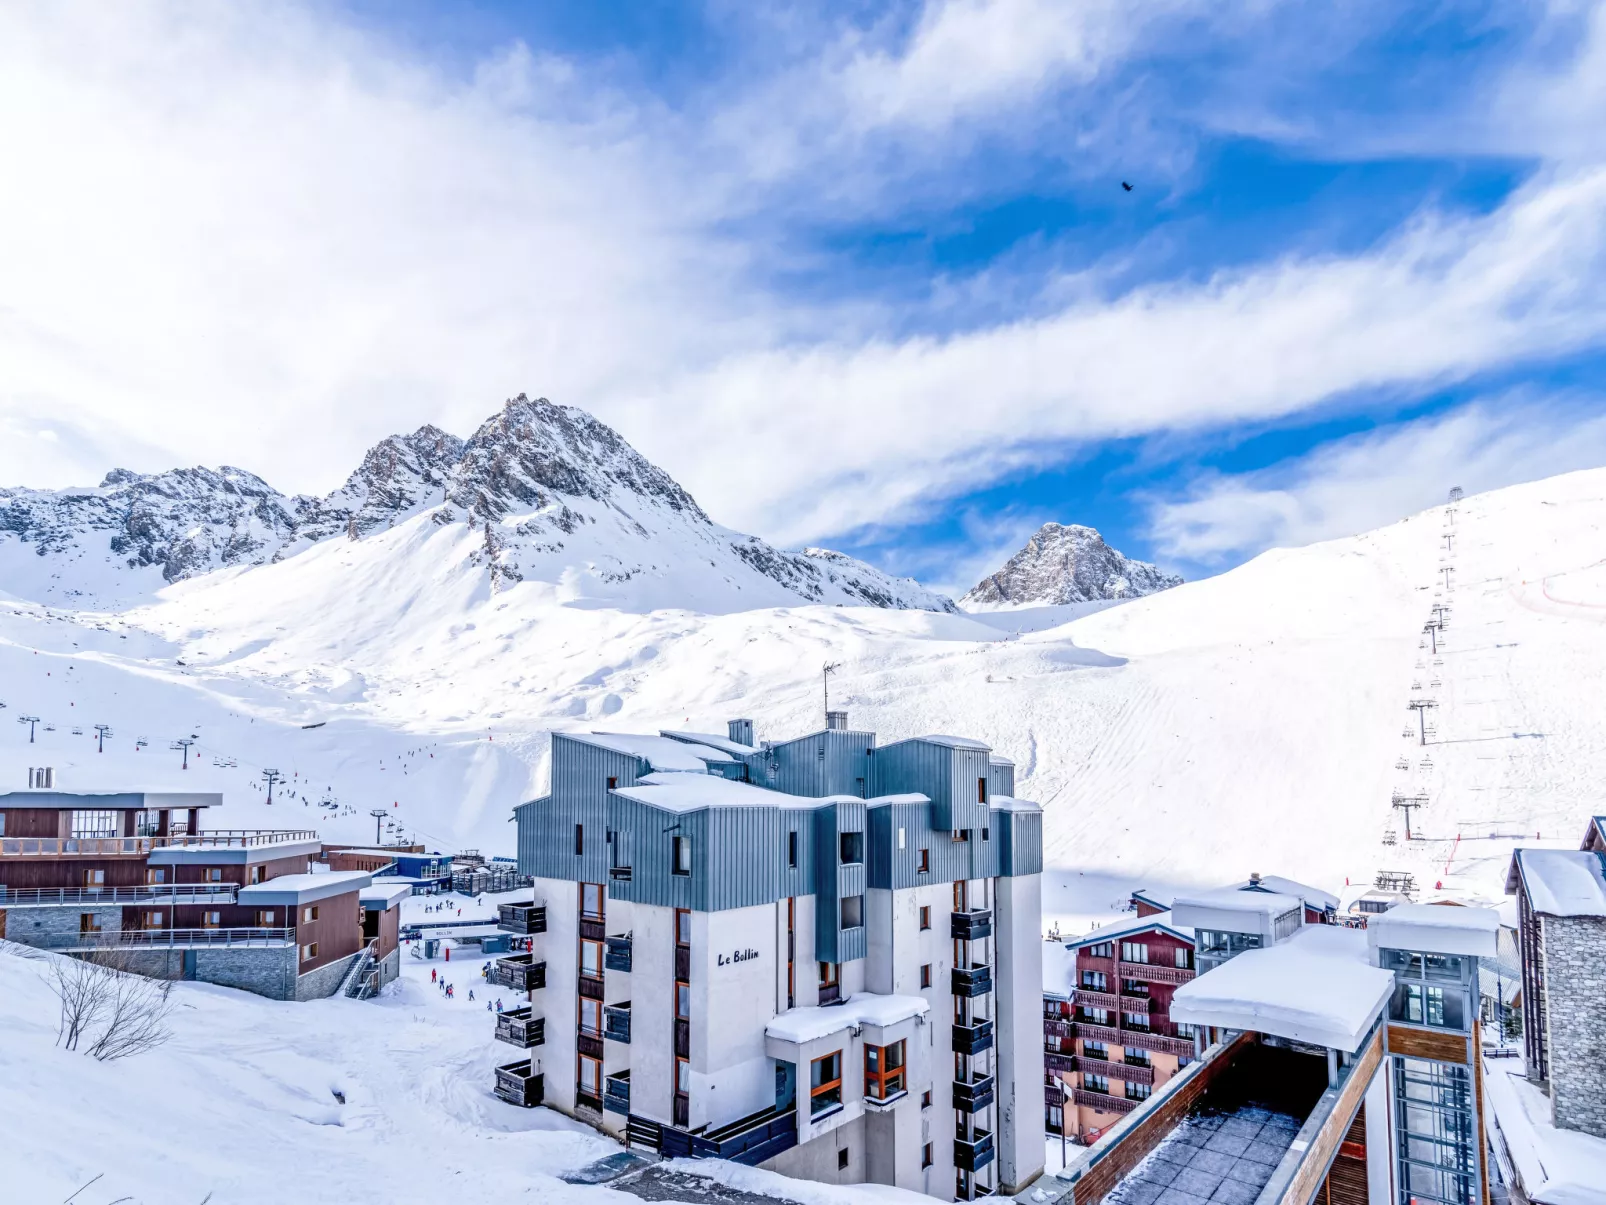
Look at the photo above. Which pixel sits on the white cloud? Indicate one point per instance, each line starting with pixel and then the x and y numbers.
pixel 1370 480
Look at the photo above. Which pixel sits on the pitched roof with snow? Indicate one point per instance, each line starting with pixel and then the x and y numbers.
pixel 688 792
pixel 1560 882
pixel 722 743
pixel 1277 885
pixel 1161 921
pixel 659 752
pixel 1319 986
pixel 954 742
pixel 1237 899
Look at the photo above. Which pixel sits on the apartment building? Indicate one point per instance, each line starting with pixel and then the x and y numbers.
pixel 134 872
pixel 821 956
pixel 1110 1042
pixel 1561 930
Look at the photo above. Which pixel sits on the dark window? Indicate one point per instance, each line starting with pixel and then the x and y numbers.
pixel 853 912
pixel 981 790
pixel 1096 1083
pixel 985 833
pixel 682 863
pixel 825 1082
pixel 925 917
pixel 925 975
pixel 924 866
pixel 1093 980
pixel 828 974
pixel 842 1159
pixel 925 1102
pixel 613 783
pixel 926 1157
pixel 1138 1091
pixel 579 840
pixel 852 846
pixel 791 849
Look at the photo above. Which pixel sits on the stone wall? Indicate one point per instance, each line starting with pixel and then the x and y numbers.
pixel 1575 1011
pixel 266 970
pixel 325 981
pixel 53 927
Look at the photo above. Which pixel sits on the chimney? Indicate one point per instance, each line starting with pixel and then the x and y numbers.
pixel 740 731
pixel 837 720
pixel 1254 878
pixel 42 778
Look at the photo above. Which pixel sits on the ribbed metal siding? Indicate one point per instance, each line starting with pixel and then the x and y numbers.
pixel 834 762
pixel 1000 780
pixel 529 819
pixel 1021 847
pixel 745 852
pixel 827 903
pixel 580 773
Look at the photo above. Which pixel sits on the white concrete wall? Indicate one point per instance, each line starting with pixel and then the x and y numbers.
pixel 1018 990
pixel 820 1158
pixel 652 1008
pixel 618 987
pixel 734 954
pixel 1379 1136
pixel 556 1002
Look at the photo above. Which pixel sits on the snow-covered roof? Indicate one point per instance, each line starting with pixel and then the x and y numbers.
pixel 677 792
pixel 386 893
pixel 1435 928
pixel 1277 885
pixel 304 888
pixel 999 760
pixel 955 742
pixel 1008 803
pixel 658 751
pixel 1236 899
pixel 801 1025
pixel 723 744
pixel 1556 1167
pixel 1133 924
pixel 1319 986
pixel 1560 882
pixel 1059 969
pixel 1152 898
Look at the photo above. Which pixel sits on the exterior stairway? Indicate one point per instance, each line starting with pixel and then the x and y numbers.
pixel 362 981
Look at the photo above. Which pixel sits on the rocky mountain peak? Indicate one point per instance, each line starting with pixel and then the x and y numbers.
pixel 397 476
pixel 1066 563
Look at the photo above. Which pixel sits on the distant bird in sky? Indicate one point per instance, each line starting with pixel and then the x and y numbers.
pixel 1126 186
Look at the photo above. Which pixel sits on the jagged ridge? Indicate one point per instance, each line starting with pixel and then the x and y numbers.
pixel 1066 564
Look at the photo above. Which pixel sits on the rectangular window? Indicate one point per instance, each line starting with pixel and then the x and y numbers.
pixel 1096 1050
pixel 309 951
pixel 257 874
pixel 925 1099
pixel 155 875
pixel 682 854
pixel 925 975
pixel 1138 1021
pixel 591 1017
pixel 591 958
pixel 925 917
pixel 88 922
pixel 1138 1091
pixel 853 912
pixel 828 974
pixel 981 790
pixel 1137 1058
pixel 683 1001
pixel 150 920
pixel 924 865
pixel 825 1083
pixel 682 927
pixel 211 920
pixel 579 840
pixel 926 1157
pixel 1134 987
pixel 146 823
pixel 1094 980
pixel 1184 1030
pixel 1184 958
pixel 613 784
pixel 1104 949
pixel 214 874
pixel 1134 951
pixel 96 822
pixel 883 1071
pixel 590 1076
pixel 791 850
pixel 1428 1004
pixel 900 836
pixel 683 1076
pixel 591 901
pixel 309 914
pixel 1096 1083
pixel 852 848
pixel 264 918
pixel 94 878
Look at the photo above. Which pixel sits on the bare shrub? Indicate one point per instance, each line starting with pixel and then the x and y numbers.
pixel 112 1010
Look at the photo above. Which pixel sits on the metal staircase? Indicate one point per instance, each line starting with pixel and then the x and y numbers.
pixel 362 980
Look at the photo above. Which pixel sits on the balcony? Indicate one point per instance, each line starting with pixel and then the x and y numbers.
pixel 1056 1027
pixel 143 847
pixel 616 1093
pixel 165 939
pixel 751 1140
pixel 1103 1102
pixel 1107 1034
pixel 682 1038
pixel 593 928
pixel 519 1084
pixel 523 919
pixel 974 1095
pixel 591 986
pixel 150 893
pixel 973 925
pixel 1136 1004
pixel 974 1153
pixel 683 963
pixel 1057 1061
pixel 1180 1047
pixel 1132 1073
pixel 616 1022
pixel 971 982
pixel 974 1038
pixel 519 972
pixel 1088 998
pixel 617 957
pixel 518 1028
pixel 1146 973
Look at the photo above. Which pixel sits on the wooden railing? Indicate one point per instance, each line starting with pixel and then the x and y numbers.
pixel 1103 1101
pixel 1181 1047
pixel 1098 1033
pixel 1136 1004
pixel 1132 1073
pixel 1149 973
pixel 1088 998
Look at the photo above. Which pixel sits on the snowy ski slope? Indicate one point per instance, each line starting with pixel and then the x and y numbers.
pixel 1252 721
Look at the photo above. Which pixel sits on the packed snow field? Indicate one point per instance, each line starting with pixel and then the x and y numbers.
pixel 1252 721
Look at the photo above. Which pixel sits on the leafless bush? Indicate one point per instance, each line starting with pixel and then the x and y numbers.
pixel 116 1012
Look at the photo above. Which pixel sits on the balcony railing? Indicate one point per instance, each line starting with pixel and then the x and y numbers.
pixel 593 928
pixel 1057 1027
pixel 1148 973
pixel 519 1084
pixel 974 1038
pixel 142 847
pixel 974 1153
pixel 974 1095
pixel 973 925
pixel 616 1022
pixel 616 1093
pixel 1103 1101
pixel 236 838
pixel 751 1140
pixel 617 956
pixel 522 919
pixel 1098 1033
pixel 520 972
pixel 1056 1061
pixel 1181 1047
pixel 1132 1073
pixel 1136 1004
pixel 518 1028
pixel 971 982
pixel 150 893
pixel 165 939
pixel 1088 998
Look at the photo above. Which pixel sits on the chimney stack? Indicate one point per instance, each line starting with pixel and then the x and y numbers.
pixel 837 720
pixel 1254 878
pixel 740 731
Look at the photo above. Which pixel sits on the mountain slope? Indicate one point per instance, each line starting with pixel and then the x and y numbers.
pixel 1066 564
pixel 529 481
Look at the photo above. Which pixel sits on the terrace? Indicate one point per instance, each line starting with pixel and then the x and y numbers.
pixel 149 893
pixel 169 939
pixel 143 847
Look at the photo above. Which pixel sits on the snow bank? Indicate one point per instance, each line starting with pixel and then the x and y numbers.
pixel 800 1025
pixel 1556 1167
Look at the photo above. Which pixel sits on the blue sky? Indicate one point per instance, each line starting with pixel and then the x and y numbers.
pixel 861 275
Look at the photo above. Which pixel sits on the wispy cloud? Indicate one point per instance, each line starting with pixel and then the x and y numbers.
pixel 1371 480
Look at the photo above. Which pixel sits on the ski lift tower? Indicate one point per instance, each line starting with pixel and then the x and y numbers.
pixel 102 731
pixel 1432 629
pixel 184 744
pixel 826 671
pixel 271 777
pixel 1420 706
pixel 1405 803
pixel 29 720
pixel 379 818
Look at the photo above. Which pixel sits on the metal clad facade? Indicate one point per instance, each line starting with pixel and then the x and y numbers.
pixel 833 762
pixel 1020 842
pixel 580 774
pixel 1000 779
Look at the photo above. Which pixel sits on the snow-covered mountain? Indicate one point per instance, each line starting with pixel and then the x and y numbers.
pixel 1065 564
pixel 550 491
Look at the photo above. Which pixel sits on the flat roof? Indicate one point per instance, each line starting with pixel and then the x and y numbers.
pixel 660 752
pixel 387 893
pixel 1236 899
pixel 1436 928
pixel 676 792
pixel 801 1025
pixel 1008 803
pixel 304 888
pixel 722 743
pixel 1319 986
pixel 228 855
pixel 1277 885
pixel 1560 882
pixel 142 800
pixel 954 742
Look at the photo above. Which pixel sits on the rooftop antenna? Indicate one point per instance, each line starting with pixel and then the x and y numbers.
pixel 29 720
pixel 830 668
pixel 1405 803
pixel 184 744
pixel 1420 706
pixel 271 777
pixel 102 731
pixel 379 815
